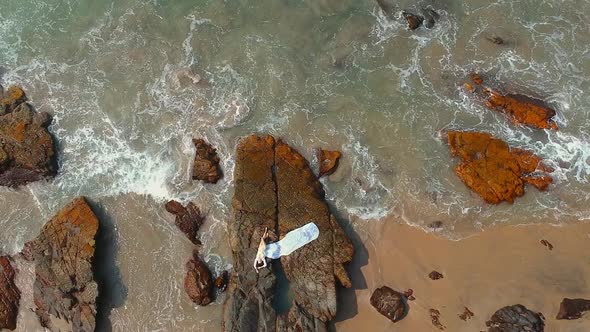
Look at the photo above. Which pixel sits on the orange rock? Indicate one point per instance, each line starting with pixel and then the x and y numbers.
pixel 328 161
pixel 469 87
pixel 520 109
pixel 493 170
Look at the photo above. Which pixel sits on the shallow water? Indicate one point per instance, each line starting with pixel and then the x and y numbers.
pixel 331 73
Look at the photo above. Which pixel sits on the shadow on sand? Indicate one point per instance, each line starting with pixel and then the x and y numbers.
pixel 347 301
pixel 112 291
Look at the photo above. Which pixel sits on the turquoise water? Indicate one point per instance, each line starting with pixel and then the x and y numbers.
pixel 336 74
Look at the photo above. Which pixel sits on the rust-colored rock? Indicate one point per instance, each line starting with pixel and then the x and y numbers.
pixel 516 318
pixel 520 109
pixel 494 170
pixel 276 189
pixel 328 161
pixel 467 314
pixel 435 275
pixel 414 21
pixel 573 308
pixel 435 319
pixel 26 147
pixel 198 283
pixel 221 281
pixel 9 295
pixel 389 303
pixel 188 219
pixel 64 288
pixel 206 165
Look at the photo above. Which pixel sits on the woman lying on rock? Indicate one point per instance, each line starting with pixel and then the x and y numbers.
pixel 294 240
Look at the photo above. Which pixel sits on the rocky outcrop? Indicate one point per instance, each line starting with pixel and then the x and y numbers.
pixel 9 295
pixel 520 109
pixel 188 219
pixel 328 161
pixel 26 147
pixel 494 170
pixel 389 303
pixel 198 283
pixel 206 165
pixel 276 189
pixel 64 290
pixel 516 318
pixel 573 308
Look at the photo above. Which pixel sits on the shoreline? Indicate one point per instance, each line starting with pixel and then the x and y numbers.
pixel 503 265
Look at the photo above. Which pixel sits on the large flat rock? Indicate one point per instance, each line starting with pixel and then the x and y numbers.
pixel 275 188
pixel 9 295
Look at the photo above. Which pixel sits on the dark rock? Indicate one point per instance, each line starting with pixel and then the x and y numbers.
pixel 9 295
pixel 414 21
pixel 26 147
pixel 547 244
pixel 435 225
pixel 282 200
pixel 221 281
pixel 496 40
pixel 520 109
pixel 435 319
pixel 430 17
pixel 516 318
pixel 65 291
pixel 188 219
pixel 467 314
pixel 389 303
pixel 328 161
pixel 206 165
pixel 573 308
pixel 435 275
pixel 494 170
pixel 198 283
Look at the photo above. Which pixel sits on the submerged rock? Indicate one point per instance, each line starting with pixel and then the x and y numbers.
pixel 435 275
pixel 26 147
pixel 9 295
pixel 206 165
pixel 188 219
pixel 573 308
pixel 64 290
pixel 414 21
pixel 276 189
pixel 328 161
pixel 466 315
pixel 516 318
pixel 198 283
pixel 387 6
pixel 435 319
pixel 389 303
pixel 520 109
pixel 493 170
pixel 430 17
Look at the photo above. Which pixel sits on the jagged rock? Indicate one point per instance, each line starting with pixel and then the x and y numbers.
pixel 64 290
pixel 573 308
pixel 520 109
pixel 328 161
pixel 26 147
pixel 9 295
pixel 435 275
pixel 221 281
pixel 206 165
pixel 516 318
pixel 188 219
pixel 494 170
pixel 414 21
pixel 389 303
pixel 198 283
pixel 276 189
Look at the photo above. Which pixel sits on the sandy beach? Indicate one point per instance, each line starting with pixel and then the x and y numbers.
pixel 501 266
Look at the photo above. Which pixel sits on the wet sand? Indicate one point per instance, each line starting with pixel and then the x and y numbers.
pixel 501 266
